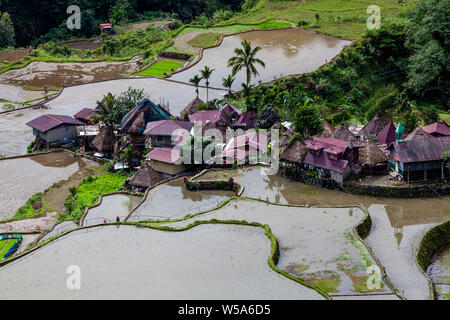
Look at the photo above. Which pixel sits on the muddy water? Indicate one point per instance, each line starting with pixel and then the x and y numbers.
pixel 439 272
pixel 17 94
pixel 206 262
pixel 40 74
pixel 23 177
pixel 83 45
pixel 285 52
pixel 14 55
pixel 397 224
pixel 172 200
pixel 119 205
pixel 316 244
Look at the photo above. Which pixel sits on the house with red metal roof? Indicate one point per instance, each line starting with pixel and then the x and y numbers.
pixel 166 160
pixel 54 129
pixel 240 148
pixel 211 119
pixel 167 133
pixel 332 158
pixel 387 135
pixel 246 120
pixel 437 129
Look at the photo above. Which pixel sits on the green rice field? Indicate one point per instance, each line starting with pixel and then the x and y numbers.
pixel 5 245
pixel 157 69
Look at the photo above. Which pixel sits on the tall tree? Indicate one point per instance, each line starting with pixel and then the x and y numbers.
pixel 7 36
pixel 246 58
pixel 107 111
pixel 428 35
pixel 195 81
pixel 206 74
pixel 228 82
pixel 307 120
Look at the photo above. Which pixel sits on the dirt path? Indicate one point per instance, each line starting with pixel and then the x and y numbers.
pixel 33 225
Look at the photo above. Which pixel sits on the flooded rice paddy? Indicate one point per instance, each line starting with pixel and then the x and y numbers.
pixel 171 200
pixel 219 262
pixel 397 224
pixel 14 55
pixel 439 272
pixel 40 74
pixel 83 44
pixel 285 52
pixel 21 178
pixel 316 244
pixel 58 229
pixel 112 206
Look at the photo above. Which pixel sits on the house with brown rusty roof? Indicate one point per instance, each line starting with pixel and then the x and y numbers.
pixel 332 158
pixel 85 115
pixel 53 129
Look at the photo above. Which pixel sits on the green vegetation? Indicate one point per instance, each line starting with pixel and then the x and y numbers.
pixel 161 68
pixel 88 191
pixel 204 40
pixel 33 207
pixel 7 36
pixel 5 245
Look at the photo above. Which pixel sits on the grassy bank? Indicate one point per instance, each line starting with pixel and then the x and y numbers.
pixel 88 191
pixel 33 207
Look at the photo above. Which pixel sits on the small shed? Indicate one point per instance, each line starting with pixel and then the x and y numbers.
pixel 145 177
pixel 342 133
pixel 105 140
pixel 192 107
pixel 54 129
pixel 295 152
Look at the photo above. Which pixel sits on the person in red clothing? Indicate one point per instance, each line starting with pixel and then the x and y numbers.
pixel 117 219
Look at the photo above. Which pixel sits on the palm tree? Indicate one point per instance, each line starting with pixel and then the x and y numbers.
pixel 228 82
pixel 206 73
pixel 195 81
pixel 107 110
pixel 245 58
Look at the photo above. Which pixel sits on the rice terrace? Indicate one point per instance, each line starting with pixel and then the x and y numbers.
pixel 215 150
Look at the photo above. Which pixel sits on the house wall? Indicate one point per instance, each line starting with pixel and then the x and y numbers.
pixel 58 134
pixel 168 168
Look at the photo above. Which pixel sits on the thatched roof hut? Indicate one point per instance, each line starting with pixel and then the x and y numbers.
pixel 342 133
pixel 295 152
pixel 137 119
pixel 104 141
pixel 373 127
pixel 327 131
pixel 192 106
pixel 418 134
pixel 145 177
pixel 285 137
pixel 371 154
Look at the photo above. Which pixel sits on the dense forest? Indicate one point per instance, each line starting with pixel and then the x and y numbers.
pixel 44 20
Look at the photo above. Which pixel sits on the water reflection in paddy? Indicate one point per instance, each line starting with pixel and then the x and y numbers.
pixel 125 262
pixel 285 52
pixel 316 244
pixel 118 205
pixel 23 177
pixel 173 200
pixel 397 224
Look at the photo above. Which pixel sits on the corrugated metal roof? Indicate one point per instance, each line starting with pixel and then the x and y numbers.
pixel 50 121
pixel 167 127
pixel 421 150
pixel 85 113
pixel 167 155
pixel 437 128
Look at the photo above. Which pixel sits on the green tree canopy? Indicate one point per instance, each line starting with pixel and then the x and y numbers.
pixel 245 57
pixel 7 35
pixel 307 120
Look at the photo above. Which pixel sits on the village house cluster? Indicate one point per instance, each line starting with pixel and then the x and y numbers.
pixel 336 154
